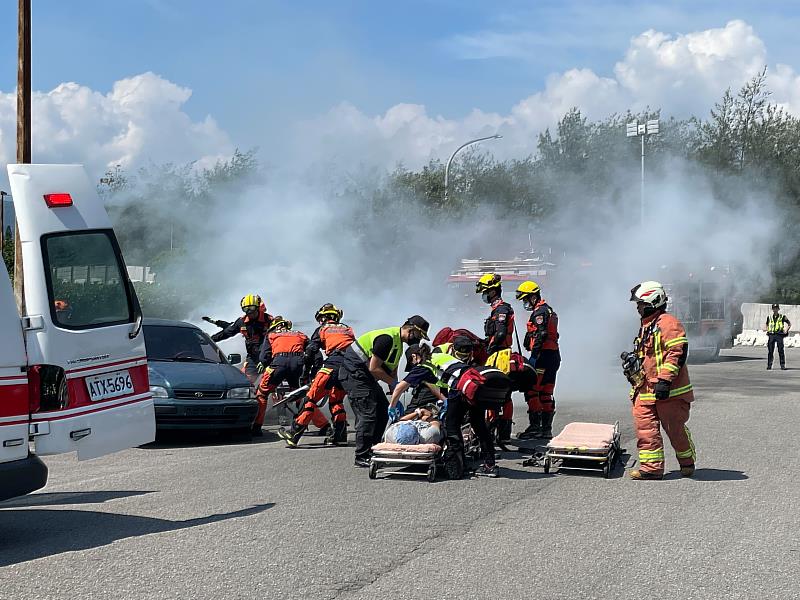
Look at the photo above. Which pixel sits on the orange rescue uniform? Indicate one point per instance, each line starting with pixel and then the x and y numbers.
pixel 663 348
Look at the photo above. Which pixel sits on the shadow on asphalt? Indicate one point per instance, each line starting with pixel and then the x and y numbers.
pixel 192 439
pixel 63 498
pixel 728 358
pixel 28 534
pixel 719 475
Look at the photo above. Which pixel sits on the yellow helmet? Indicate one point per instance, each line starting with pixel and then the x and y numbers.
pixel 329 311
pixel 489 281
pixel 250 301
pixel 278 322
pixel 527 288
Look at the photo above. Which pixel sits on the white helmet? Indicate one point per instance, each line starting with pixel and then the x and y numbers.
pixel 651 293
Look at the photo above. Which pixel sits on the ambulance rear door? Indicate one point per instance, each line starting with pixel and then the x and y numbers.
pixel 14 417
pixel 86 354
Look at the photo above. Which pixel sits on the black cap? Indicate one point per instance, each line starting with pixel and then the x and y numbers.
pixel 410 351
pixel 776 306
pixel 421 324
pixel 462 343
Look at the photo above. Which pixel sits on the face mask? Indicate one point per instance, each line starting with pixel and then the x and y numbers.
pixel 527 304
pixel 485 296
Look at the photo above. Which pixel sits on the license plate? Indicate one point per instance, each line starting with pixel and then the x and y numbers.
pixel 109 385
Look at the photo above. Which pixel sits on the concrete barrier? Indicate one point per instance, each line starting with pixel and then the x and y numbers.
pixel 755 315
pixel 754 318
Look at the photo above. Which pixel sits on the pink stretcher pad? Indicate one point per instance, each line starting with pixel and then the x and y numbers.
pixel 416 448
pixel 584 435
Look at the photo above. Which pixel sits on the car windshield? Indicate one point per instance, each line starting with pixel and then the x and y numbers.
pixel 165 342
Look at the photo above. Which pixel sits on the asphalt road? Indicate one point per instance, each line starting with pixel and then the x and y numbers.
pixel 200 518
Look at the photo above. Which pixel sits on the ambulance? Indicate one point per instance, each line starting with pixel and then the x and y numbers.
pixel 73 368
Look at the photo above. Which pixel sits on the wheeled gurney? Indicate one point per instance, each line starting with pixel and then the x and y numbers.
pixel 401 456
pixel 584 447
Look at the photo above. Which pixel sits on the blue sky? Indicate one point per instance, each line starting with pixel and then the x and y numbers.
pixel 257 66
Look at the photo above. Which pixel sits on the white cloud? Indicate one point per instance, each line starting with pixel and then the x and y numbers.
pixel 683 74
pixel 140 119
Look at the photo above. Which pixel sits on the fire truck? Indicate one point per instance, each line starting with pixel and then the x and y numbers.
pixel 705 302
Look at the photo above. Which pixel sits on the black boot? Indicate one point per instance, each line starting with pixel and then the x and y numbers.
pixel 325 431
pixel 339 435
pixel 503 430
pixel 292 437
pixel 534 430
pixel 547 426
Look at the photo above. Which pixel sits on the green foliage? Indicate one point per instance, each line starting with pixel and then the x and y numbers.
pixel 8 251
pixel 164 300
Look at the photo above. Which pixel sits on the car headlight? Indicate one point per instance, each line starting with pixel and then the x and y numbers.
pixel 241 392
pixel 159 391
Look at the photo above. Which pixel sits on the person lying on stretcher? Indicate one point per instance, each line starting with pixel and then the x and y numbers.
pixel 421 426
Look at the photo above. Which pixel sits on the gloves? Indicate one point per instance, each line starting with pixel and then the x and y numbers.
pixel 661 389
pixel 261 367
pixel 396 412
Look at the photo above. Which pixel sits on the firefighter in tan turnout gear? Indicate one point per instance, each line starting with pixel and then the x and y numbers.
pixel 660 391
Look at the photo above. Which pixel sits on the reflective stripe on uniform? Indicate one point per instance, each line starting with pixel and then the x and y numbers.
pixel 671 368
pixel 651 456
pixel 657 349
pixel 692 451
pixel 672 393
pixel 676 341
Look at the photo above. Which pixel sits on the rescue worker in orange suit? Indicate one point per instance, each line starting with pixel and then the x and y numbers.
pixel 253 327
pixel 660 391
pixel 333 337
pixel 282 358
pixel 542 341
pixel 498 330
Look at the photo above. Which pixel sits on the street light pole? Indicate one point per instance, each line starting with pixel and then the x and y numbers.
pixel 634 129
pixel 453 155
pixel 23 128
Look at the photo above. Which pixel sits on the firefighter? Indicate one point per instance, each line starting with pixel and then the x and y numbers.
pixel 253 328
pixel 282 358
pixel 660 391
pixel 499 333
pixel 333 337
pixel 777 329
pixel 542 341
pixel 372 358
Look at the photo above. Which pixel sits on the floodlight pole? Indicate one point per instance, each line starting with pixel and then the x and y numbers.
pixel 634 129
pixel 453 155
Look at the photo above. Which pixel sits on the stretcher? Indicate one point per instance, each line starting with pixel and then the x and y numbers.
pixel 582 447
pixel 399 457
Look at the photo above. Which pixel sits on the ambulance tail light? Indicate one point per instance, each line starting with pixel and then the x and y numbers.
pixel 58 200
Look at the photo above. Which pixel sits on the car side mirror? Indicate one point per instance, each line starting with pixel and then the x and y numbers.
pixel 234 359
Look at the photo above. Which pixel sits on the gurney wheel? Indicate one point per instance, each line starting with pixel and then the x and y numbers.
pixel 547 465
pixel 373 470
pixel 607 469
pixel 432 473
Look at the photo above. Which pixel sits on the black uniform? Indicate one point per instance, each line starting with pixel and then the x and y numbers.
pixel 254 332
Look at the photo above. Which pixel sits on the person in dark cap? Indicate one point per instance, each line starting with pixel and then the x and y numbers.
pixel 373 358
pixel 777 328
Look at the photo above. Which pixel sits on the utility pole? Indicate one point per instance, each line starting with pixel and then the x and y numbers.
pixel 642 130
pixel 23 128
